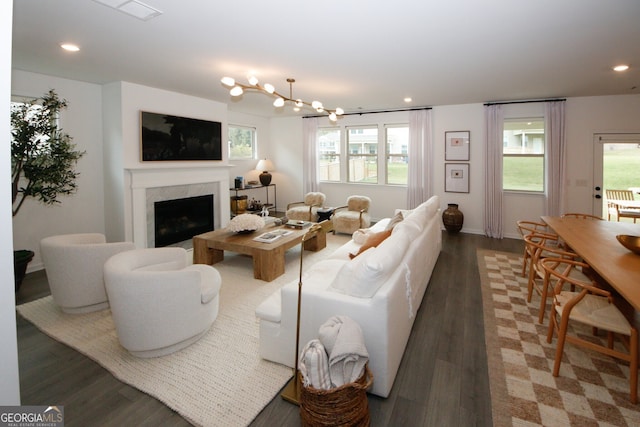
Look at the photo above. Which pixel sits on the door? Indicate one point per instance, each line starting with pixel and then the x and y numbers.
pixel 616 165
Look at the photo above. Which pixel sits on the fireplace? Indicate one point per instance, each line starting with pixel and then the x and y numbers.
pixel 177 220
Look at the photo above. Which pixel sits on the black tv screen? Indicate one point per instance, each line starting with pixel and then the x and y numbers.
pixel 165 137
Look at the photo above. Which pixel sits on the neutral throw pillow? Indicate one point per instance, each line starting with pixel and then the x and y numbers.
pixel 396 219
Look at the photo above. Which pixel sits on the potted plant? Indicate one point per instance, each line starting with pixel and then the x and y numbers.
pixel 43 160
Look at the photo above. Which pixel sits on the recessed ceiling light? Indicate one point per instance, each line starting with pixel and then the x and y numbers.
pixel 407 99
pixel 621 67
pixel 70 47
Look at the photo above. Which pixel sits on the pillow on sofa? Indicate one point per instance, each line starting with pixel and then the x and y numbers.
pixel 362 276
pixel 373 240
pixel 396 219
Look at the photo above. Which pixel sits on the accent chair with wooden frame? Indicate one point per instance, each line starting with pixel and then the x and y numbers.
pixel 591 306
pixel 353 216
pixel 307 209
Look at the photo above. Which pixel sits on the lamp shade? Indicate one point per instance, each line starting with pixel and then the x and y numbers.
pixel 265 165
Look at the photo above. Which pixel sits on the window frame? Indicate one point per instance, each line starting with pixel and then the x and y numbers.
pixel 254 139
pixel 364 155
pixel 388 154
pixel 542 156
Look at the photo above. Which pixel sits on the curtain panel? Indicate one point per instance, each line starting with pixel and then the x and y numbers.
pixel 419 185
pixel 310 181
pixel 554 115
pixel 493 198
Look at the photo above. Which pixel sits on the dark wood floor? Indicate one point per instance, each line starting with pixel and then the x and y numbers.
pixel 442 380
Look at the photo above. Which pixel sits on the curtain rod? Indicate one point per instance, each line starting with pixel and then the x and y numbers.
pixel 525 102
pixel 372 112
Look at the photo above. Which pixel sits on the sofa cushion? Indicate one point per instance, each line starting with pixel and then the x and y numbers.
pixel 363 275
pixel 372 240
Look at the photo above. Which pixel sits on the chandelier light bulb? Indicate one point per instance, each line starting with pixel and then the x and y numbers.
pixel 236 91
pixel 339 111
pixel 299 103
pixel 253 80
pixel 279 102
pixel 316 105
pixel 269 88
pixel 333 117
pixel 228 81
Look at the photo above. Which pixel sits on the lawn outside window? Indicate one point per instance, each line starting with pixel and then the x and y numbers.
pixel 523 156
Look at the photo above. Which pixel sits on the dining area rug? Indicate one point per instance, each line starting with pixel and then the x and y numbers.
pixel 591 390
pixel 218 381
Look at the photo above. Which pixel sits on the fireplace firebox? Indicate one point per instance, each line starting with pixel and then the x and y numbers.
pixel 178 220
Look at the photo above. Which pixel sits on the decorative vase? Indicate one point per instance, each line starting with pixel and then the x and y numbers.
pixel 452 218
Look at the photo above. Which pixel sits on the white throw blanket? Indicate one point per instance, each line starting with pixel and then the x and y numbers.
pixel 314 366
pixel 343 339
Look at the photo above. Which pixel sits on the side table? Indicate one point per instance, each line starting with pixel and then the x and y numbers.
pixel 324 213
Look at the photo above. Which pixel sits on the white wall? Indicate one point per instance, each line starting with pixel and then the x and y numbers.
pixel 123 103
pixel 9 379
pixel 82 120
pixel 585 117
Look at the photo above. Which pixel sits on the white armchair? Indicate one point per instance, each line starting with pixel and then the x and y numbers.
pixel 74 265
pixel 353 216
pixel 307 210
pixel 159 303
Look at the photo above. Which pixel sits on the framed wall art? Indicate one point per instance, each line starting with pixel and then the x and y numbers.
pixel 457 145
pixel 456 177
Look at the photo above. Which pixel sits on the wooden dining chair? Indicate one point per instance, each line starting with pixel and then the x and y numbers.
pixel 581 216
pixel 618 209
pixel 540 249
pixel 525 228
pixel 591 306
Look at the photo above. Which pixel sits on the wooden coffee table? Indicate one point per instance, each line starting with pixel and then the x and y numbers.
pixel 268 258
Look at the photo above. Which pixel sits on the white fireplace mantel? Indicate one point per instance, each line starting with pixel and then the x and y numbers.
pixel 138 181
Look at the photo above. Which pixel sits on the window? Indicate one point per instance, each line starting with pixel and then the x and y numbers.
pixel 242 142
pixel 329 154
pixel 523 155
pixel 397 154
pixel 362 143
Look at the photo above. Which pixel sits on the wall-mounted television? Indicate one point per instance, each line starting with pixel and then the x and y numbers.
pixel 166 137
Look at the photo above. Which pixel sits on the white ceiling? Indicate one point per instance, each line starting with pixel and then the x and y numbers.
pixel 355 54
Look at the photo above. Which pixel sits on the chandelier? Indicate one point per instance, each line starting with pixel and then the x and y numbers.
pixel 237 89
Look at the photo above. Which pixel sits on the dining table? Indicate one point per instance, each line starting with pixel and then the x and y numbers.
pixel 596 243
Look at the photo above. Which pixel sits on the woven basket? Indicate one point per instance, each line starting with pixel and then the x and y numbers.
pixel 346 405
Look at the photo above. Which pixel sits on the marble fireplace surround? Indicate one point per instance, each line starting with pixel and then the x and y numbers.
pixel 147 186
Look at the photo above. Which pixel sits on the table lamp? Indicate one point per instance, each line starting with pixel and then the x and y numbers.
pixel 291 392
pixel 265 165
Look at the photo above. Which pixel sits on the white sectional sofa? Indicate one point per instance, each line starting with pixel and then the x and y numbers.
pixel 381 289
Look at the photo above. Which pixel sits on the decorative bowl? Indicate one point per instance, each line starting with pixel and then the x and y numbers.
pixel 630 242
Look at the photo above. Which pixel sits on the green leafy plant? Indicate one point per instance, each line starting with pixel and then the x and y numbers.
pixel 43 157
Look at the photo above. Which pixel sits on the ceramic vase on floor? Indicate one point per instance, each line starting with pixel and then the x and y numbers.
pixel 453 218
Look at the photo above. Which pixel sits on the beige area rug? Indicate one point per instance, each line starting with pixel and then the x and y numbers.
pixel 218 381
pixel 592 389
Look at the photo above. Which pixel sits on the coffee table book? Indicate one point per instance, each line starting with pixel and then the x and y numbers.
pixel 298 224
pixel 271 236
